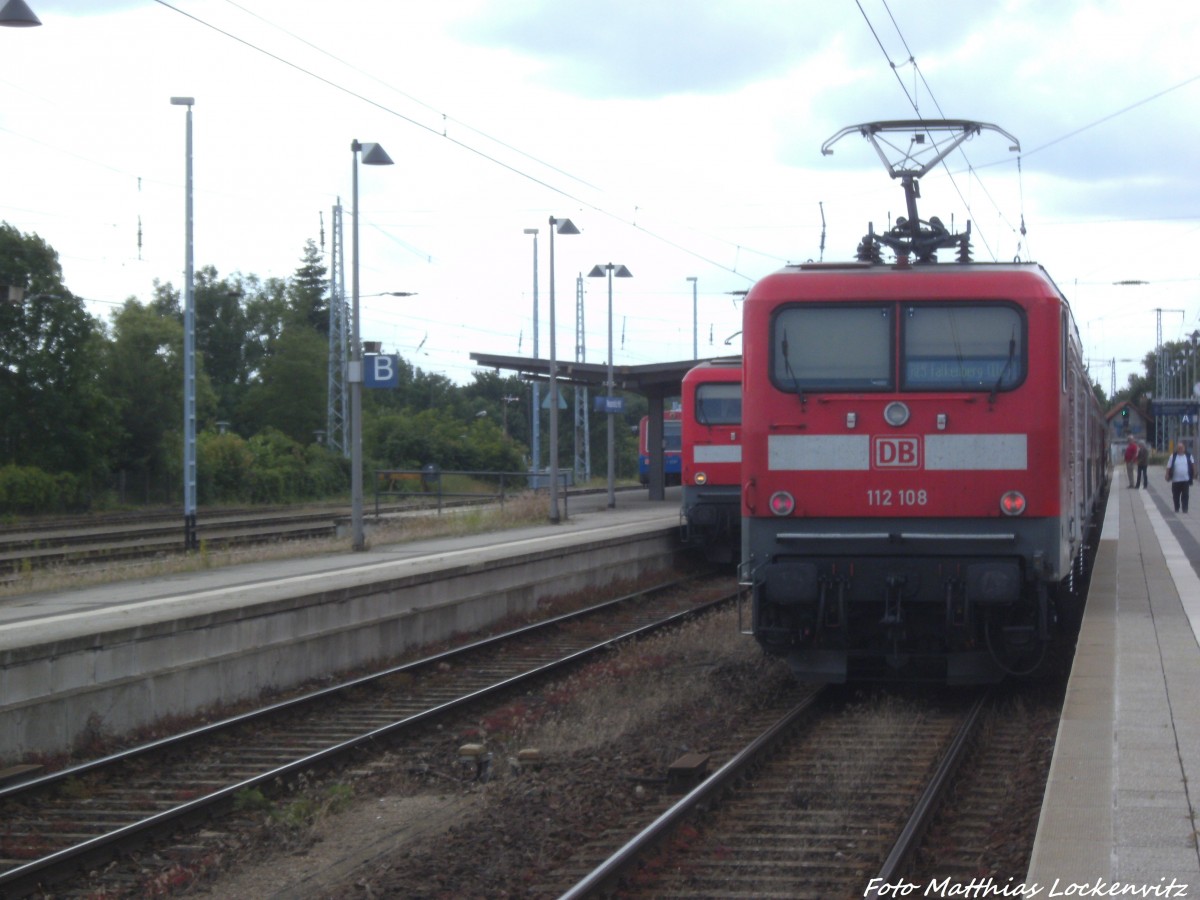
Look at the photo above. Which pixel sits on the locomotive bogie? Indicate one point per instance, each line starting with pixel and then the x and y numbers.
pixel 917 599
pixel 711 520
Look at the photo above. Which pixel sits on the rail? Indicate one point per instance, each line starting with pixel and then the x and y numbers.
pixel 605 878
pixel 273 754
pixel 434 483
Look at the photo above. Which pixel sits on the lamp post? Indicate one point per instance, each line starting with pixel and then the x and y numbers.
pixel 620 272
pixel 695 321
pixel 504 401
pixel 561 226
pixel 190 541
pixel 372 155
pixel 535 449
pixel 17 14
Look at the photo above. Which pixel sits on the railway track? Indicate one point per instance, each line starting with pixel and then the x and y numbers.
pixel 981 830
pixel 117 538
pixel 60 825
pixel 830 801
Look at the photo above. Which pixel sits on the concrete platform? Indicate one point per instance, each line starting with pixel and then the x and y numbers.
pixel 117 657
pixel 1119 813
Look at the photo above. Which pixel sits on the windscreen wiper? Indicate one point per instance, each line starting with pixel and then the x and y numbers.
pixel 787 368
pixel 1012 353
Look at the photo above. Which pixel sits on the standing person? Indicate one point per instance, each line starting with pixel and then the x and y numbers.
pixel 1181 472
pixel 1130 461
pixel 1143 458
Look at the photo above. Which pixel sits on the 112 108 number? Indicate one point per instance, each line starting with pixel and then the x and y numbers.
pixel 905 497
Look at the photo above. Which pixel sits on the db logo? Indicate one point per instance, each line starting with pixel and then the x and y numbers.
pixel 896 453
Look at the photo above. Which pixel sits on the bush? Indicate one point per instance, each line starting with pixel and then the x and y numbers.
pixel 269 468
pixel 224 467
pixel 268 486
pixel 407 440
pixel 328 472
pixel 29 490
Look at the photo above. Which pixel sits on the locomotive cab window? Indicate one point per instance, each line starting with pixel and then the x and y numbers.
pixel 719 404
pixel 832 348
pixel 978 347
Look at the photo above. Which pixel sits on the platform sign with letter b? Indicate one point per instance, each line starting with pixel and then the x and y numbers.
pixel 381 371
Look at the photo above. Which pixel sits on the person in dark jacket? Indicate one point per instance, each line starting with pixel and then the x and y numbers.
pixel 1143 459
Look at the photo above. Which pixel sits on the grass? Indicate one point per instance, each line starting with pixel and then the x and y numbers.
pixel 522 509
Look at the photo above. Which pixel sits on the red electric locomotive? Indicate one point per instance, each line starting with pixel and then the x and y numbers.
pixel 922 459
pixel 711 458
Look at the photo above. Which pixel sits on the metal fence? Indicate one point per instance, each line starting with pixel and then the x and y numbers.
pixel 428 485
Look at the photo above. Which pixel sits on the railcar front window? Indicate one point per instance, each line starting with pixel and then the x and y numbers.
pixel 719 404
pixel 672 434
pixel 963 348
pixel 832 348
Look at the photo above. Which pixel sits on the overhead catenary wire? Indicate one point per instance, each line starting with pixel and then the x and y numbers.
pixel 923 104
pixel 382 107
pixel 445 117
pixel 980 234
pixel 736 248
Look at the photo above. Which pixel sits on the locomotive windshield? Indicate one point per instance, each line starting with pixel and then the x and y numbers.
pixel 962 348
pixel 833 348
pixel 719 404
pixel 942 347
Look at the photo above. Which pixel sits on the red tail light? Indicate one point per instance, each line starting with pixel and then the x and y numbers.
pixel 1012 503
pixel 782 503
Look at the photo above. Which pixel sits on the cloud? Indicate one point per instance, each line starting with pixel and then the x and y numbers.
pixel 1097 94
pixel 78 9
pixel 641 50
pixel 682 137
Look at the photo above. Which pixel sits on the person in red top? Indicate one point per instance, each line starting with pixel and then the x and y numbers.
pixel 1130 462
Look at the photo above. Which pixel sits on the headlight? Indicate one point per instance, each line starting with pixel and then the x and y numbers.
pixel 782 503
pixel 1012 503
pixel 701 478
pixel 895 413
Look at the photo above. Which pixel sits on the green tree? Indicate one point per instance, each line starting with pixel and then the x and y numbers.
pixel 143 374
pixel 266 304
pixel 221 327
pixel 221 338
pixel 505 401
pixel 289 392
pixel 307 290
pixel 53 412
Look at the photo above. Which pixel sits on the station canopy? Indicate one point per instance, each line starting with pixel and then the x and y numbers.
pixel 655 381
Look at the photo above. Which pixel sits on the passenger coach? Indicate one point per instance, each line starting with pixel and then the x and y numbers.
pixel 922 456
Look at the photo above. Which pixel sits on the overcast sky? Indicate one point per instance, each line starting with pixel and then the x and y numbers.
pixel 682 137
